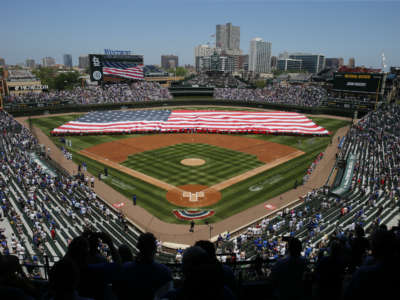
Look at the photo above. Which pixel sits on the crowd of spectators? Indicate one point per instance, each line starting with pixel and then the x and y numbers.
pixel 344 237
pixel 300 95
pixel 28 201
pixel 347 267
pixel 112 93
pixel 219 80
pixel 332 228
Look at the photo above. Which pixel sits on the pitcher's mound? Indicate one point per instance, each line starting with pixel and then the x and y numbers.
pixel 193 195
pixel 193 162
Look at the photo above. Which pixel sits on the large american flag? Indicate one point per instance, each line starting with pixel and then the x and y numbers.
pixel 126 70
pixel 103 122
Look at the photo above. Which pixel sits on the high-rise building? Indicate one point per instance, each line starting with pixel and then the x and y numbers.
pixel 289 64
pixel 30 63
pixel 169 61
pixel 83 62
pixel 283 55
pixel 260 56
pixel 203 50
pixel 244 62
pixel 2 62
pixel 48 61
pixel 341 62
pixel 67 59
pixel 333 62
pixel 217 62
pixel 352 62
pixel 312 63
pixel 274 63
pixel 228 37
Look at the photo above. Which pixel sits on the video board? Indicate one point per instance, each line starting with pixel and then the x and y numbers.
pixel 358 82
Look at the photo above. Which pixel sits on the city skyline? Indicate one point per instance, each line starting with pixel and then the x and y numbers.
pixel 362 29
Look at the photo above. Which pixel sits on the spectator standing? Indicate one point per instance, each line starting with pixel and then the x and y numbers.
pixel 191 226
pixel 143 278
pixel 287 274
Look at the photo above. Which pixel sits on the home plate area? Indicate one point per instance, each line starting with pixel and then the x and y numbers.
pixel 193 195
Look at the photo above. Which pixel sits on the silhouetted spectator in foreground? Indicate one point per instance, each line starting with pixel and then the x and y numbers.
pixel 96 274
pixel 13 282
pixel 380 280
pixel 203 278
pixel 63 281
pixel 229 277
pixel 330 273
pixel 125 253
pixel 359 246
pixel 287 274
pixel 143 278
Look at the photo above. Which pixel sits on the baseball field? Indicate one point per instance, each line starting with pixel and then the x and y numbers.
pixel 224 174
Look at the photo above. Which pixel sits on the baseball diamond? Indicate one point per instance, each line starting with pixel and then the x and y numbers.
pixel 249 158
pixel 280 160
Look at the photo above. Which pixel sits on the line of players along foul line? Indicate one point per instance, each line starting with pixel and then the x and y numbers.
pixel 169 121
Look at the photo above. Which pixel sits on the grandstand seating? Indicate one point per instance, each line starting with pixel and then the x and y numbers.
pixel 33 202
pixel 374 198
pixel 54 199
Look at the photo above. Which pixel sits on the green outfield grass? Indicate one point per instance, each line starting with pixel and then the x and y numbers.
pixel 164 164
pixel 235 198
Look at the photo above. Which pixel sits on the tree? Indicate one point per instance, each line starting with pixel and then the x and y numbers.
pixel 46 76
pixel 179 71
pixel 66 80
pixel 260 84
pixel 58 81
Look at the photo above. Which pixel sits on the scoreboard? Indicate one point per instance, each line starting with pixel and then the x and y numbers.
pixel 97 61
pixel 359 82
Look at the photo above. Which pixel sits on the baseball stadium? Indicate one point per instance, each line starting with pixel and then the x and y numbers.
pixel 144 172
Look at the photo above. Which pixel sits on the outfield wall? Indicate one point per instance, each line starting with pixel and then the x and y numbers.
pixel 26 110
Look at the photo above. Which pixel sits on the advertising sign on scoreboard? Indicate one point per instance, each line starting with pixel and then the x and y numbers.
pixel 358 82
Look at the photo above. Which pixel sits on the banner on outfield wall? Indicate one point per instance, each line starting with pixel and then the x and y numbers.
pixel 345 184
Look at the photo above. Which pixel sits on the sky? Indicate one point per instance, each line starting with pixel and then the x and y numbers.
pixel 341 28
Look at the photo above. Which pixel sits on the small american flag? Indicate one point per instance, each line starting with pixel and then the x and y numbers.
pixel 126 70
pixel 100 122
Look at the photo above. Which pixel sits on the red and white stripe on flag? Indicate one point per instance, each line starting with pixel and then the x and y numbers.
pixel 206 121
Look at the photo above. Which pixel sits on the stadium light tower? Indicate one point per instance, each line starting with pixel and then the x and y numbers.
pixel 383 62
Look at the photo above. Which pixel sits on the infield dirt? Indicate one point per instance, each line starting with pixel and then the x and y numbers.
pixel 115 152
pixel 119 150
